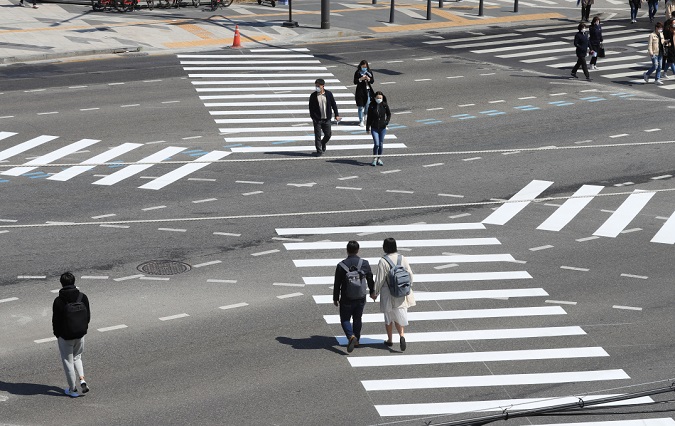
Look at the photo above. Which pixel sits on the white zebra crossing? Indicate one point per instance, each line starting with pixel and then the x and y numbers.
pixel 111 154
pixel 51 157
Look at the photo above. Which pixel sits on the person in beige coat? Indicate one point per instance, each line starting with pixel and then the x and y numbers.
pixel 395 309
pixel 670 8
pixel 654 48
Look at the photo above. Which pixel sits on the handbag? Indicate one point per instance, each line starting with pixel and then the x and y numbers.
pixel 601 51
pixel 371 93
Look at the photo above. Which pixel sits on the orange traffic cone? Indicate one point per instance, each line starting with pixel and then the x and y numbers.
pixel 237 38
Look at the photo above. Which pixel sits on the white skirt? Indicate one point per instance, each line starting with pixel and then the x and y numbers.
pixel 397 315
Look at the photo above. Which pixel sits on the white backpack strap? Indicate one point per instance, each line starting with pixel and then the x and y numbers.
pixel 398 260
pixel 358 267
pixel 386 257
pixel 342 264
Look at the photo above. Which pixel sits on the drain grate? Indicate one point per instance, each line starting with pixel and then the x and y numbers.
pixel 163 267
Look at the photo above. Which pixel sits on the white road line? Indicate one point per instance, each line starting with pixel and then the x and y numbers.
pixel 114 226
pixel 436 408
pixel 213 262
pixel 286 129
pixel 153 208
pixel 304 88
pixel 221 281
pixel 624 214
pixel 229 234
pixel 587 239
pixel 637 422
pixel 493 43
pixel 265 252
pixel 32 277
pixel 533 53
pixel 520 47
pixel 507 211
pixel 493 380
pixel 130 277
pixel 171 317
pixel 662 176
pixel 494 334
pixel 466 357
pixel 111 154
pixel 424 296
pixel 630 308
pixel 380 228
pixel 252 193
pixel 102 216
pixel 560 302
pixel 666 234
pixel 451 242
pixel 111 328
pixel 234 305
pixel 277 95
pixel 263 62
pixel 548 246
pixel 94 277
pixel 461 314
pixel 256 68
pixel 574 268
pixel 249 139
pixel 457 40
pixel 570 208
pixel 51 157
pixel 172 229
pixel 436 278
pixel 154 278
pixel 184 170
pixel 642 277
pixel 206 200
pixel 208 56
pixel 414 260
pixel 288 285
pixel 286 296
pixel 9 299
pixel 311 148
pixel 132 170
pixel 48 339
pixel 270 76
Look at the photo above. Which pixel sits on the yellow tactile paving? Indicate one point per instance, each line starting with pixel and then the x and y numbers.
pixel 213 42
pixel 466 22
pixel 197 30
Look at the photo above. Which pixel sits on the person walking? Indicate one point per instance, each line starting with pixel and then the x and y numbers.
pixel 595 41
pixel 586 10
pixel 653 7
pixel 349 292
pixel 363 78
pixel 395 309
pixel 321 105
pixel 634 6
pixel 70 320
pixel 655 49
pixel 581 43
pixel 668 49
pixel 35 6
pixel 377 122
pixel 669 8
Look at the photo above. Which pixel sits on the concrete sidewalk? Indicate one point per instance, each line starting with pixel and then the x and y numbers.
pixel 58 30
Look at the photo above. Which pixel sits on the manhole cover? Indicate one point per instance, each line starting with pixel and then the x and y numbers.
pixel 163 267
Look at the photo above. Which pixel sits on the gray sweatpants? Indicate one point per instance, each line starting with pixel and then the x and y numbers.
pixel 71 357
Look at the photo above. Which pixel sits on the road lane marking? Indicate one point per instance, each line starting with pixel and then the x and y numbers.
pixel 171 317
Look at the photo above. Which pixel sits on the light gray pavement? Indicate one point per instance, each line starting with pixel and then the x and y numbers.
pixel 58 30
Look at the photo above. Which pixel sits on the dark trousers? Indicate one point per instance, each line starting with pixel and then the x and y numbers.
pixel 585 12
pixel 581 62
pixel 321 126
pixel 352 309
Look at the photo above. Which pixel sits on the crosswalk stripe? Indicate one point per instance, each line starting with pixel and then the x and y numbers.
pixel 493 380
pixel 438 408
pixel 309 82
pixel 666 234
pixel 279 49
pixel 267 96
pixel 315 75
pixel 456 40
pixel 573 29
pixel 466 357
pixel 25 146
pixel 507 211
pixel 272 120
pixel 258 104
pixel 303 61
pixel 494 334
pixel 282 68
pixel 251 139
pixel 624 214
pixel 626 38
pixel 5 135
pixel 439 278
pixel 520 47
pixel 211 56
pixel 310 148
pixel 268 112
pixel 492 42
pixel 271 129
pixel 184 170
pixel 570 208
pixel 636 74
pixel 51 157
pixel 113 153
pixel 137 168
pixel 304 87
pixel 463 314
pixel 603 61
pixel 668 421
pixel 536 60
pixel 380 228
pixel 428 296
pixel 469 258
pixel 449 242
pixel 533 53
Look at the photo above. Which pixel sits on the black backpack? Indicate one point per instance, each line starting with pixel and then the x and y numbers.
pixel 75 322
pixel 356 286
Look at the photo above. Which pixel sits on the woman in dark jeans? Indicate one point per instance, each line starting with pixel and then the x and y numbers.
pixel 363 78
pixel 595 38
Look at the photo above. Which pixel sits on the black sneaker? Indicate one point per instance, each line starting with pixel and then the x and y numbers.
pixel 352 342
pixel 574 75
pixel 84 387
pixel 388 343
pixel 403 344
pixel 323 147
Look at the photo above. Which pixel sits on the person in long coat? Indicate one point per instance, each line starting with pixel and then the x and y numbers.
pixel 363 78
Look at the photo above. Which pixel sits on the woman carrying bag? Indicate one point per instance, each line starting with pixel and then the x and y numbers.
pixel 376 123
pixel 595 40
pixel 363 78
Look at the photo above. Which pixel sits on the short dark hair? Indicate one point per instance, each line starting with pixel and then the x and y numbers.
pixel 320 82
pixel 352 247
pixel 595 19
pixel 658 25
pixel 67 278
pixel 389 245
pixel 581 26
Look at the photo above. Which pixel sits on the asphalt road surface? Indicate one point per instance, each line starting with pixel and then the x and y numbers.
pixel 519 304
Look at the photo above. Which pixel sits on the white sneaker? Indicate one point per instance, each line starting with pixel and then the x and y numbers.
pixel 664 75
pixel 658 82
pixel 593 67
pixel 646 77
pixel 362 124
pixel 35 6
pixel 71 393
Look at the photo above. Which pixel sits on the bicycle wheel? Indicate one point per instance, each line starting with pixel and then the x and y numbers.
pixel 195 3
pixel 96 5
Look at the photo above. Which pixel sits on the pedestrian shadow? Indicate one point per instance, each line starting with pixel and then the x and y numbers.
pixel 315 342
pixel 349 162
pixel 30 389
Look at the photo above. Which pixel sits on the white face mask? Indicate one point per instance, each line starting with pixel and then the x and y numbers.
pixel 378 100
pixel 318 89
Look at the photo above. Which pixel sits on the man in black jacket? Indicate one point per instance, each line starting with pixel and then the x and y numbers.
pixel 70 320
pixel 321 105
pixel 351 307
pixel 582 44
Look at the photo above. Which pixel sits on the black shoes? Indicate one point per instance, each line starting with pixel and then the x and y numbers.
pixel 574 75
pixel 352 342
pixel 323 147
pixel 403 344
pixel 388 343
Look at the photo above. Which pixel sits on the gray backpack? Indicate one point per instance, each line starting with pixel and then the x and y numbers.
pixel 400 281
pixel 356 286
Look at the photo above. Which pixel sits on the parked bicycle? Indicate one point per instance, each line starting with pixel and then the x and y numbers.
pixel 118 5
pixel 216 3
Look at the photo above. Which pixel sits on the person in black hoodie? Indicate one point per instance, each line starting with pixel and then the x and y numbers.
pixel 70 320
pixel 581 43
pixel 376 123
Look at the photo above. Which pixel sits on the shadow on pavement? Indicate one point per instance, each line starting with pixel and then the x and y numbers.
pixel 30 389
pixel 314 342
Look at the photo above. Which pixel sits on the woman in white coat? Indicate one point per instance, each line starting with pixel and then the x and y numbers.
pixel 395 309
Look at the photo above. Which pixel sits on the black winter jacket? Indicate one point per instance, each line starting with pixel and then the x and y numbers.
pixel 361 94
pixel 378 116
pixel 582 44
pixel 595 36
pixel 66 295
pixel 341 274
pixel 315 110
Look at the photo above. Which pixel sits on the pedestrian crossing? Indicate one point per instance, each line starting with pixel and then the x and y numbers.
pixel 612 227
pixel 552 47
pixel 259 98
pixel 455 364
pixel 107 158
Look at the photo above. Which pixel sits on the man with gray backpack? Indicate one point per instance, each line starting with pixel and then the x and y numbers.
pixel 70 320
pixel 353 282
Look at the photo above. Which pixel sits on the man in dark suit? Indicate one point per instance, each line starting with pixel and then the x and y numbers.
pixel 321 105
